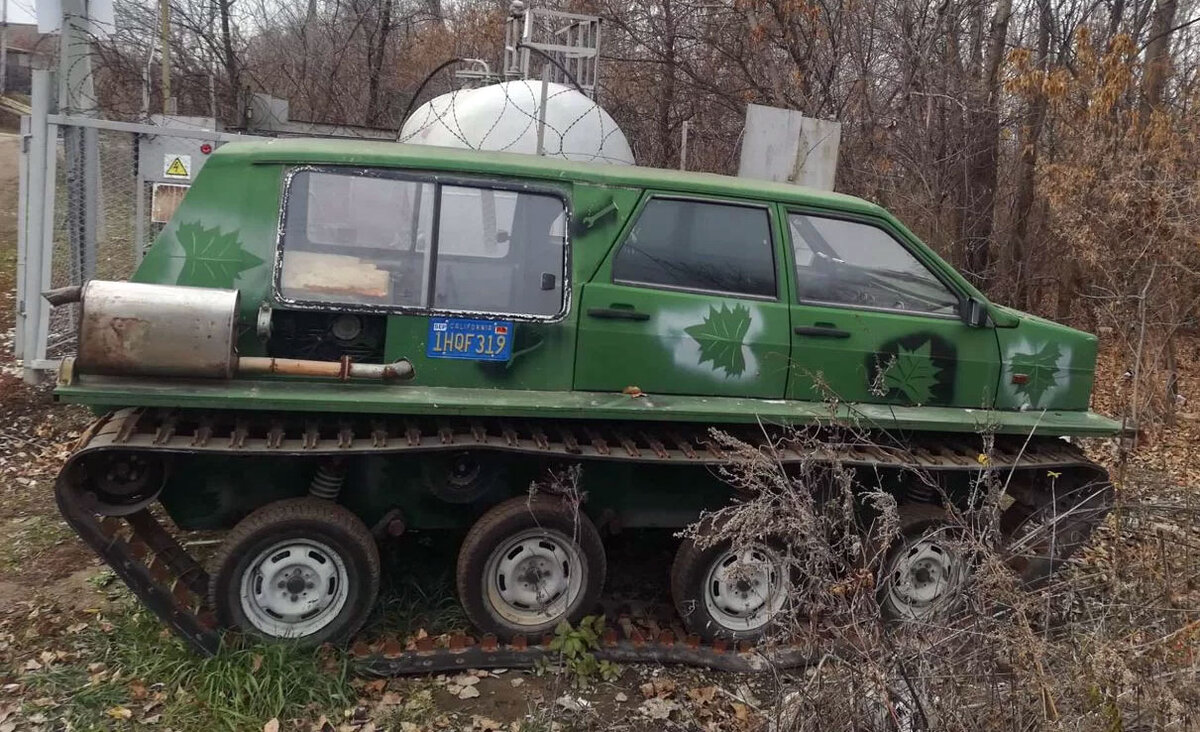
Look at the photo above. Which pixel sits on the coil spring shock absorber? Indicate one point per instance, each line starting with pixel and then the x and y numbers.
pixel 328 480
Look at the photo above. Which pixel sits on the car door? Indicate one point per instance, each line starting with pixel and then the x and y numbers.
pixel 689 302
pixel 874 322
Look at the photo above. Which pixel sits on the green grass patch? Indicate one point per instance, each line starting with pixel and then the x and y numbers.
pixel 157 679
pixel 418 595
pixel 26 538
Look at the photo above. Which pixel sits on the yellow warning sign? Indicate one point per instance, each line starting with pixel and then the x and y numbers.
pixel 177 166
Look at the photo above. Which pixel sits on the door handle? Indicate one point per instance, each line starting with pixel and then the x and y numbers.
pixel 616 313
pixel 820 331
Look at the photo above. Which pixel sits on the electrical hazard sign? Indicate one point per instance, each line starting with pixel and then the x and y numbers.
pixel 177 166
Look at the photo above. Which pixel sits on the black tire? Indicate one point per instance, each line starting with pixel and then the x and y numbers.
pixel 311 519
pixel 556 520
pixel 690 572
pixel 920 521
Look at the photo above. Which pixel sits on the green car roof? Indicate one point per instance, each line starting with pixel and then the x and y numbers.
pixel 427 157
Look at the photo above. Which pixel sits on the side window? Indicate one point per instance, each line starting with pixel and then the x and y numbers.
pixel 695 245
pixel 350 238
pixel 850 263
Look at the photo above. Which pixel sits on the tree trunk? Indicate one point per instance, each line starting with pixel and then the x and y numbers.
pixel 1030 138
pixel 666 99
pixel 232 71
pixel 983 146
pixel 1158 59
pixel 376 51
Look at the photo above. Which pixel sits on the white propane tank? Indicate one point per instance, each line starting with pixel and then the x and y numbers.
pixel 504 117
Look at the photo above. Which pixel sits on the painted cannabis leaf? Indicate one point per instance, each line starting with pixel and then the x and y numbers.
pixel 720 337
pixel 912 373
pixel 1041 370
pixel 210 258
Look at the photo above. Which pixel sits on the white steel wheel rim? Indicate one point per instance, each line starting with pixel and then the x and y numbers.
pixel 925 577
pixel 745 588
pixel 534 576
pixel 294 588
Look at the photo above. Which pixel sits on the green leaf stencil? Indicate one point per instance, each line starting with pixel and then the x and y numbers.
pixel 1041 368
pixel 212 259
pixel 913 373
pixel 720 337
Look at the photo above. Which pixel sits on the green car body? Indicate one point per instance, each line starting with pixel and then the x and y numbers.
pixel 614 329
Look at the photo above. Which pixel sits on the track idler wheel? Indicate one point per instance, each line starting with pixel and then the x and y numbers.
pixel 528 564
pixel 303 569
pixel 114 483
pixel 462 477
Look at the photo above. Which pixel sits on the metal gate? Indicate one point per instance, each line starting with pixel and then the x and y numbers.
pixel 85 210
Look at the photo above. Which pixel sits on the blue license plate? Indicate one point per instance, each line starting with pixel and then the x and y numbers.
pixel 472 340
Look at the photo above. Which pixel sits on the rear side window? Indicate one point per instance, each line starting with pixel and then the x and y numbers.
pixel 388 242
pixel 697 245
pixel 850 263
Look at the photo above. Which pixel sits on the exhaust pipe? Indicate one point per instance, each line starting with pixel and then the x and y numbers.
pixel 136 329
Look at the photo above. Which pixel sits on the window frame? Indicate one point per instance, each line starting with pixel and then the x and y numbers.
pixel 890 232
pixel 651 196
pixel 437 179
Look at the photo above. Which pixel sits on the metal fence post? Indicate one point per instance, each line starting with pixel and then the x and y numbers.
pixel 35 317
pixel 22 220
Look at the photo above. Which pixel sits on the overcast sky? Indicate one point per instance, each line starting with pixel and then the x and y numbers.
pixel 20 11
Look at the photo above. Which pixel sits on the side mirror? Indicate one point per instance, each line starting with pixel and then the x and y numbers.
pixel 975 313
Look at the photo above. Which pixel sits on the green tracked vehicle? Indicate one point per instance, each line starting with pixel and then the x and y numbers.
pixel 333 342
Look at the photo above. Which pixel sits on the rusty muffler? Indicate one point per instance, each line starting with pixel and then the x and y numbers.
pixel 137 329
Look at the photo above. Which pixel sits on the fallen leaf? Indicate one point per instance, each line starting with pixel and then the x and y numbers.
pixel 272 724
pixel 741 711
pixel 657 687
pixel 119 713
pixel 468 692
pixel 256 663
pixel 702 694
pixel 658 708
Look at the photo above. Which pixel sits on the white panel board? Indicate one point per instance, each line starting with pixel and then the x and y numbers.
pixel 785 146
pixel 100 14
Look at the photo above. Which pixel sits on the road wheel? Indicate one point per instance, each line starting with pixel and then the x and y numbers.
pixel 528 564
pixel 303 568
pixel 727 592
pixel 927 567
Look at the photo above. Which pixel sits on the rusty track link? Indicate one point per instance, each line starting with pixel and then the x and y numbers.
pixel 246 433
pixel 174 586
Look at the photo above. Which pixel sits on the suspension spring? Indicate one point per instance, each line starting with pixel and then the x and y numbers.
pixel 327 483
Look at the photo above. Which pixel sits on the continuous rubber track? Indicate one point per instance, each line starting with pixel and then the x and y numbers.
pixel 175 586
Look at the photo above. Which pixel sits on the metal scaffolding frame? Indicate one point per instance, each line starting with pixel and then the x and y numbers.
pixel 572 40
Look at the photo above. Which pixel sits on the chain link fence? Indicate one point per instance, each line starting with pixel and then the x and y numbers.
pixel 101 219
